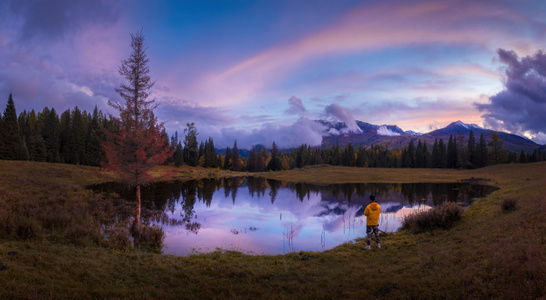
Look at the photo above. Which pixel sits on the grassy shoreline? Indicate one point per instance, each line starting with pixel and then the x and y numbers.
pixel 489 254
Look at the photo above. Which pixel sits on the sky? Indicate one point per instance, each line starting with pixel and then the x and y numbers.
pixel 262 71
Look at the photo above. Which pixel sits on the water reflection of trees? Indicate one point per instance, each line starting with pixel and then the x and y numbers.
pixel 163 197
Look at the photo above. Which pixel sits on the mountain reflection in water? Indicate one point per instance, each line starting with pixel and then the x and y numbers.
pixel 263 216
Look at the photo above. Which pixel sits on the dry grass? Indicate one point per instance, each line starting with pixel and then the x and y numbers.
pixel 488 254
pixel 443 216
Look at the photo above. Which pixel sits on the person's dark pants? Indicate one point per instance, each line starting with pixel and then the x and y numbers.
pixel 369 230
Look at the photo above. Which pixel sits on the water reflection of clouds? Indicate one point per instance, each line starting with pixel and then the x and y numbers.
pixel 299 217
pixel 286 225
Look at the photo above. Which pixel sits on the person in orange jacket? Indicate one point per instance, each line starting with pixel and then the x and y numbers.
pixel 372 212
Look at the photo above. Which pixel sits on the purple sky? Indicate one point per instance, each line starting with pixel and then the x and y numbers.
pixel 261 71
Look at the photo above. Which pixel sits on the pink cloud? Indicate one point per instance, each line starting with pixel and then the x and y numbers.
pixel 367 28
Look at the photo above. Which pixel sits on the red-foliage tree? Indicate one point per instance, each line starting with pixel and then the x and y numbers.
pixel 137 144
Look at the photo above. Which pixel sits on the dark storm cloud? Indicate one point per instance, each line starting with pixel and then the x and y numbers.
pixel 521 106
pixel 53 19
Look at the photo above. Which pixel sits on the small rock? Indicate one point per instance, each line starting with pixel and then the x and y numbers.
pixel 2 267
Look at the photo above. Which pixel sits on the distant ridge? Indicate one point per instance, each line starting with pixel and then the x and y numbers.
pixel 395 137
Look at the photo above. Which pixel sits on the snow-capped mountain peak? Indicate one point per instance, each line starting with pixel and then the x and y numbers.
pixel 411 132
pixel 462 124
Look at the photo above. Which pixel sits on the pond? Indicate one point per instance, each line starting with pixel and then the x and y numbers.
pixel 261 216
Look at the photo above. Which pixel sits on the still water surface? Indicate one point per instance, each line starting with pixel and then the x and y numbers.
pixel 259 216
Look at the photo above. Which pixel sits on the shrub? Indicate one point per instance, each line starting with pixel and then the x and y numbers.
pixel 442 216
pixel 508 205
pixel 118 238
pixel 151 238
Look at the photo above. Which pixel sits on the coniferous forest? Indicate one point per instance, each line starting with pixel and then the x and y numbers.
pixel 76 137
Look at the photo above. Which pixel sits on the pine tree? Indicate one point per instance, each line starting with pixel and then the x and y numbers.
pixel 275 163
pixel 211 158
pixel 260 160
pixel 12 148
pixel 251 160
pixel 419 155
pixel 227 159
pixel 436 163
pixel 451 152
pixel 139 144
pixel 236 162
pixel 334 155
pixel 522 157
pixel 498 154
pixel 361 156
pixel 301 156
pixel 64 129
pixel 96 136
pixel 443 153
pixel 178 155
pixel 471 150
pixel 425 153
pixel 482 152
pixel 348 155
pixel 178 158
pixel 50 128
pixel 409 160
pixel 76 138
pixel 191 150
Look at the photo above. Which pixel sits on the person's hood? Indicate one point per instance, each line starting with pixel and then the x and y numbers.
pixel 374 206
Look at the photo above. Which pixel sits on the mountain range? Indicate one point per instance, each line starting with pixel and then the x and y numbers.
pixel 369 134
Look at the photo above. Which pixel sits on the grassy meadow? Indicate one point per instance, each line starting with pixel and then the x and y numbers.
pixel 52 244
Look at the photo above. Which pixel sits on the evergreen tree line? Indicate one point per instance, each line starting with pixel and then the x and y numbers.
pixel 459 152
pixel 76 137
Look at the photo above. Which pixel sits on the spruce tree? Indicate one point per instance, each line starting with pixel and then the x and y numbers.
pixel 348 155
pixel 64 133
pixel 96 136
pixel 51 133
pixel 471 149
pixel 275 163
pixel 251 161
pixel 451 152
pixel 138 145
pixel 13 147
pixel 410 155
pixel 191 150
pixel 76 138
pixel 260 160
pixel 227 159
pixel 436 163
pixel 178 158
pixel 361 156
pixel 419 155
pixel 236 162
pixel 482 152
pixel 498 154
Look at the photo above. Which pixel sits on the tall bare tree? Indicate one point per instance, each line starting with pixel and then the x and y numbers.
pixel 137 143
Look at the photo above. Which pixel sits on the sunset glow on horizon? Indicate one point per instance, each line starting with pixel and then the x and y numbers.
pixel 260 71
